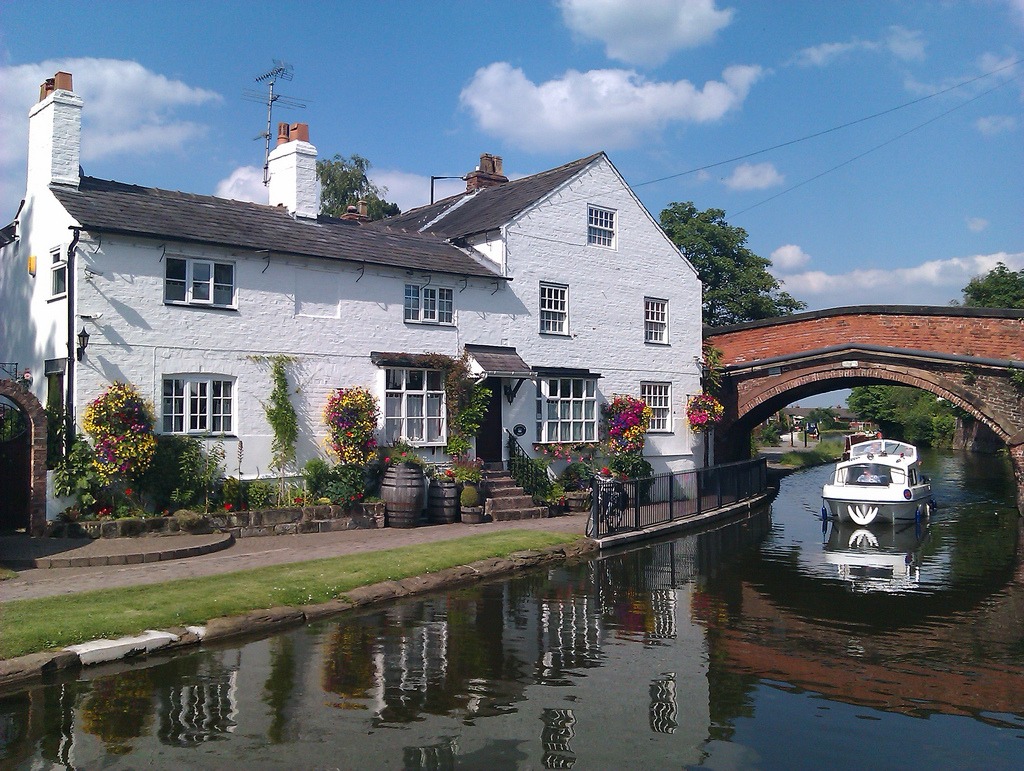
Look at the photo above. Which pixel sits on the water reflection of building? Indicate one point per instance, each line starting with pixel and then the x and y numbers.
pixel 202 708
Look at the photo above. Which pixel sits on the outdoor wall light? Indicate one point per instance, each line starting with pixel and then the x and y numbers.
pixel 83 343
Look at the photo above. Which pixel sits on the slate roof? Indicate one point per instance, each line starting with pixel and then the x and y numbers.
pixel 115 207
pixel 487 209
pixel 499 359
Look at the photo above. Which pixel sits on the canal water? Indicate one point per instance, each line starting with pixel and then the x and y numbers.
pixel 770 642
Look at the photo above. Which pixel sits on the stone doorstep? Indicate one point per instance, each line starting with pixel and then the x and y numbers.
pixel 510 503
pixel 33 666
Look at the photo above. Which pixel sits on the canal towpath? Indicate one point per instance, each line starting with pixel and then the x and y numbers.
pixel 81 565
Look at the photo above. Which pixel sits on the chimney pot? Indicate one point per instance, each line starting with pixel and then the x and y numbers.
pixel 62 81
pixel 298 132
pixel 364 209
pixel 488 174
pixel 282 133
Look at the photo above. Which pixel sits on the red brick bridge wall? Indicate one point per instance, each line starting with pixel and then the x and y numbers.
pixel 965 355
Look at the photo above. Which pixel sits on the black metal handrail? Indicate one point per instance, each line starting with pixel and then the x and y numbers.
pixel 622 505
pixel 529 475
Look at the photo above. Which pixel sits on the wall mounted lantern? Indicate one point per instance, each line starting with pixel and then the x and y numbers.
pixel 83 343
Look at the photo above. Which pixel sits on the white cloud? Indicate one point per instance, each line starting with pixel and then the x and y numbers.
pixel 599 109
pixel 754 176
pixel 789 257
pixel 645 32
pixel 976 224
pixel 990 125
pixel 128 109
pixel 935 282
pixel 244 184
pixel 904 44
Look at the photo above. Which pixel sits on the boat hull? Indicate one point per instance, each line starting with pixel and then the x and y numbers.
pixel 865 512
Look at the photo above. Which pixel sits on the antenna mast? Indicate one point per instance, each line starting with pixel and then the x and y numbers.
pixel 283 71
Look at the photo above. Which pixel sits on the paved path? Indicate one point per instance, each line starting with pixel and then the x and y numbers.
pixel 244 554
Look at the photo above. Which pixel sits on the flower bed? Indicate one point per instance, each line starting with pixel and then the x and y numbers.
pixel 242 524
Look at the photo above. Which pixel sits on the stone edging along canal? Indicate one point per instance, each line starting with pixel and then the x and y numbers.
pixel 19 671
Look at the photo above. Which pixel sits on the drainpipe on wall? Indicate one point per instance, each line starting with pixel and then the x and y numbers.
pixel 69 383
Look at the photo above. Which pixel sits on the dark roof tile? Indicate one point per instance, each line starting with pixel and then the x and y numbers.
pixel 487 209
pixel 115 207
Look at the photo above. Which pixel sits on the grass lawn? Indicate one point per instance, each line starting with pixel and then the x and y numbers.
pixel 5 574
pixel 28 626
pixel 826 451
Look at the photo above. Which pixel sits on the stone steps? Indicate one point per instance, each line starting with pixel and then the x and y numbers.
pixel 506 500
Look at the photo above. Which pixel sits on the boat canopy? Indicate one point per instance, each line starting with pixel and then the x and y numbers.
pixel 883 448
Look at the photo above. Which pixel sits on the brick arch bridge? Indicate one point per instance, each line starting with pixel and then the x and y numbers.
pixel 970 356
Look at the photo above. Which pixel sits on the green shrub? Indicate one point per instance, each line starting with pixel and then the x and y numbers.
pixel 77 476
pixel 231 492
pixel 577 476
pixel 259 494
pixel 347 485
pixel 183 473
pixel 632 465
pixel 317 473
pixel 470 496
pixel 191 521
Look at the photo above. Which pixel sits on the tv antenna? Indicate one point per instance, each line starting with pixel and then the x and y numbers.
pixel 280 71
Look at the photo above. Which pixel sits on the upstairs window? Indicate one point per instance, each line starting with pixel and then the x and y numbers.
pixel 197 405
pixel 655 321
pixel 429 304
pixel 414 406
pixel 658 397
pixel 554 309
pixel 58 274
pixel 567 410
pixel 600 227
pixel 199 282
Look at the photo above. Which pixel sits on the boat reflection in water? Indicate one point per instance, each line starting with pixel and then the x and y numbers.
pixel 885 557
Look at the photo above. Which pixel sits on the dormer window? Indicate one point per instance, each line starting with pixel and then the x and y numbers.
pixel 600 227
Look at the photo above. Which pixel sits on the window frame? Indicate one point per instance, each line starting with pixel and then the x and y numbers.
pixel 58 267
pixel 552 313
pixel 602 227
pixel 197 403
pixel 190 282
pixel 664 409
pixel 432 388
pixel 419 297
pixel 551 414
pixel 652 323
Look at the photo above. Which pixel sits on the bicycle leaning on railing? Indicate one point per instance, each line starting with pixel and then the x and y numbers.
pixel 612 501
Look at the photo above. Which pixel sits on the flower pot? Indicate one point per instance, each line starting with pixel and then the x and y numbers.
pixel 473 515
pixel 402 492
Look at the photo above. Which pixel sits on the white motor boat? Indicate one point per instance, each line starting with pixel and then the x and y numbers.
pixel 878 481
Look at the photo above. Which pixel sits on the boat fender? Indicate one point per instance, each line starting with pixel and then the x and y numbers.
pixel 824 512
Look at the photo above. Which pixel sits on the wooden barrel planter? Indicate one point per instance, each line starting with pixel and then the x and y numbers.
pixel 443 502
pixel 402 493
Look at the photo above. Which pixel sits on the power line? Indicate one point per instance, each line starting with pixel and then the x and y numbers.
pixel 876 147
pixel 823 132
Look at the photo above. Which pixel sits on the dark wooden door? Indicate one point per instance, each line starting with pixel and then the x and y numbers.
pixel 489 438
pixel 15 456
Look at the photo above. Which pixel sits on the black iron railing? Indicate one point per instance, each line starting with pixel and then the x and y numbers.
pixel 529 474
pixel 622 505
pixel 8 370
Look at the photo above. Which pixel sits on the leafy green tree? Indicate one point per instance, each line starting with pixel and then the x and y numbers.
pixel 737 284
pixel 825 417
pixel 999 288
pixel 905 413
pixel 344 182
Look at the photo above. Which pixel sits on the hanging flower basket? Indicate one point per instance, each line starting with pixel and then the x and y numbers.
pixel 704 412
pixel 351 416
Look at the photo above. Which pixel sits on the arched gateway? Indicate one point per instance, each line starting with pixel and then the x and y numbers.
pixel 23 462
pixel 974 357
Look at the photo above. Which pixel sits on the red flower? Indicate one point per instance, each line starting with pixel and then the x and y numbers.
pixel 228 507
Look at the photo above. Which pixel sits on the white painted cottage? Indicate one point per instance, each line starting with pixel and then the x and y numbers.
pixel 561 286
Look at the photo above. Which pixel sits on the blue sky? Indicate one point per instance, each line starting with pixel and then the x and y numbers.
pixel 900 208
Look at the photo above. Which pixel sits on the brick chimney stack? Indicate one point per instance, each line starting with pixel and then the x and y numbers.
pixel 292 167
pixel 55 134
pixel 487 174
